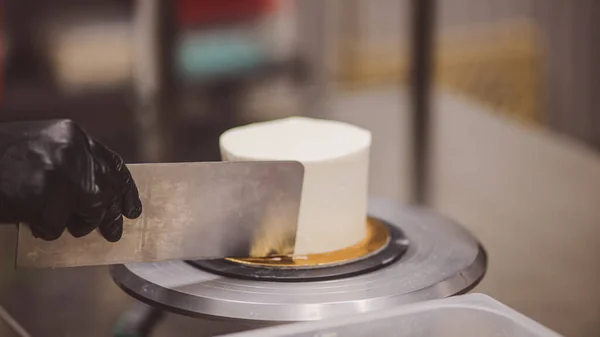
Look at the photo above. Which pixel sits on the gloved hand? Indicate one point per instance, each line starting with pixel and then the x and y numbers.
pixel 53 176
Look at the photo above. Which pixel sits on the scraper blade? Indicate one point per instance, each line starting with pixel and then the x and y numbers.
pixel 191 211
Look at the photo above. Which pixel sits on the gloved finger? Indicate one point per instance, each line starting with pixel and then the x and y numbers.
pixel 132 205
pixel 51 222
pixel 121 180
pixel 112 230
pixel 108 163
pixel 111 227
pixel 78 160
pixel 46 230
pixel 79 227
pixel 89 214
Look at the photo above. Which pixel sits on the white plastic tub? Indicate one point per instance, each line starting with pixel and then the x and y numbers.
pixel 468 315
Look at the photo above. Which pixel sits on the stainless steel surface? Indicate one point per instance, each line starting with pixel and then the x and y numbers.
pixel 442 260
pixel 191 210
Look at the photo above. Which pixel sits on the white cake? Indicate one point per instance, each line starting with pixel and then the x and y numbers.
pixel 336 159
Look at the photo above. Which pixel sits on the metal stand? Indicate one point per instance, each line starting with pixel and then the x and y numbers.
pixel 443 259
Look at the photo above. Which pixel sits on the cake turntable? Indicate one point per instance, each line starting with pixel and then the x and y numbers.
pixel 426 256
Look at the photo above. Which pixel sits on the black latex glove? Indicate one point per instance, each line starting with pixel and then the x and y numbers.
pixel 53 176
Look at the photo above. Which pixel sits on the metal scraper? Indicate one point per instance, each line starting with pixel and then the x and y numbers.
pixel 190 211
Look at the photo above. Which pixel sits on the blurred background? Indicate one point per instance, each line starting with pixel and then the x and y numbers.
pixel 513 135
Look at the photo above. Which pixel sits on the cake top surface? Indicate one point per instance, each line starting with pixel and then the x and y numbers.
pixel 295 138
